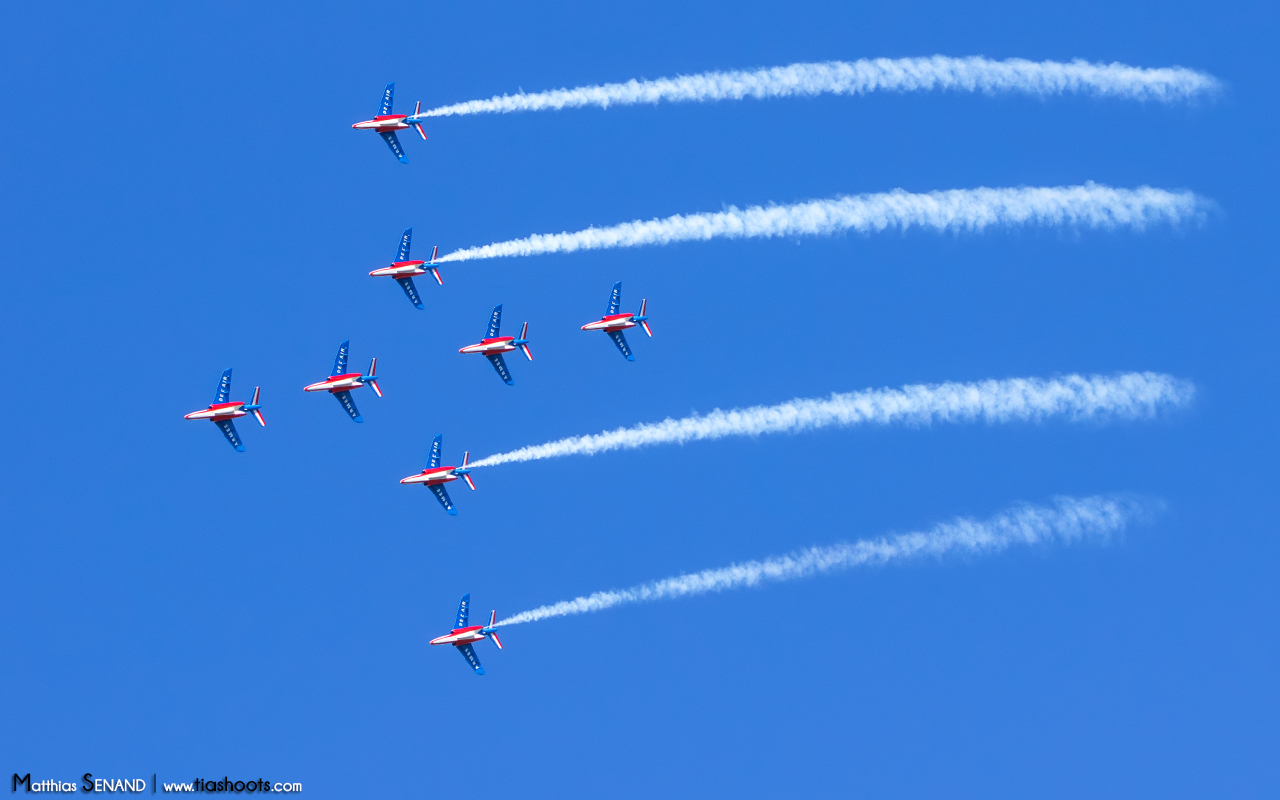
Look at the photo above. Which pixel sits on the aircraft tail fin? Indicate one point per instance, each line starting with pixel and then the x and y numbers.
pixel 435 272
pixel 257 410
pixel 493 618
pixel 466 474
pixel 524 341
pixel 418 125
pixel 371 379
pixel 642 319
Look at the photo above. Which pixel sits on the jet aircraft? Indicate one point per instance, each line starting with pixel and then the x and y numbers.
pixel 493 345
pixel 614 323
pixel 386 123
pixel 463 635
pixel 434 476
pixel 403 270
pixel 340 382
pixel 221 411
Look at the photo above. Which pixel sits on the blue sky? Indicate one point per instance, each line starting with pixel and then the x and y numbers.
pixel 184 194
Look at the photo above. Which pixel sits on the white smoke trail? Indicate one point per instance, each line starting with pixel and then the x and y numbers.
pixel 1133 395
pixel 1091 206
pixel 1068 520
pixel 972 74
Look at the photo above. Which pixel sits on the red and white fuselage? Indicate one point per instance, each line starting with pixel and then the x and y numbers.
pixel 432 476
pixel 401 269
pixel 220 411
pixel 490 347
pixel 410 269
pixel 384 122
pixel 338 383
pixel 613 322
pixel 461 636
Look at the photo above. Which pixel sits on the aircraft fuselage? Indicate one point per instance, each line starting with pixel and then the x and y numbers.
pixel 461 636
pixel 337 383
pixel 495 346
pixel 432 476
pixel 401 269
pixel 613 322
pixel 383 122
pixel 220 411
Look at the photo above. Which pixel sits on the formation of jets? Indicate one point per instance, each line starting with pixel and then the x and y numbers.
pixel 341 382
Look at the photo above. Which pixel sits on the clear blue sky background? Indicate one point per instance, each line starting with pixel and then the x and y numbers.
pixel 183 193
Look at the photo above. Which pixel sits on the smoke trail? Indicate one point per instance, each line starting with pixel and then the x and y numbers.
pixel 1091 206
pixel 1068 520
pixel 973 74
pixel 1134 395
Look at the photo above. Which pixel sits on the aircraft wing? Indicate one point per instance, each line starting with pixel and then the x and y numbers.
pixel 350 405
pixel 223 391
pixel 394 144
pixel 433 460
pixel 229 431
pixel 411 290
pixel 387 94
pixel 495 322
pixel 403 253
pixel 615 299
pixel 469 653
pixel 438 490
pixel 340 361
pixel 464 609
pixel 501 366
pixel 621 342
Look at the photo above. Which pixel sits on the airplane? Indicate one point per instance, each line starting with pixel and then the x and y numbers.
pixel 386 123
pixel 403 270
pixel 434 476
pixel 493 346
pixel 463 635
pixel 614 323
pixel 340 382
pixel 221 411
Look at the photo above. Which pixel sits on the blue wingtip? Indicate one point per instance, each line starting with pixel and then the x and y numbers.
pixel 453 512
pixel 359 419
pixel 631 358
pixel 479 670
pixel 239 448
pixel 510 383
pixel 404 159
pixel 419 306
